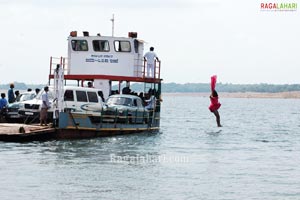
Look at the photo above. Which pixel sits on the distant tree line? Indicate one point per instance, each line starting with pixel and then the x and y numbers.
pixel 22 86
pixel 228 87
pixel 263 87
pixel 191 87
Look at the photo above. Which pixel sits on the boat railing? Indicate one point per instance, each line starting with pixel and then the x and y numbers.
pixel 127 116
pixel 157 67
pixel 62 61
pixel 140 69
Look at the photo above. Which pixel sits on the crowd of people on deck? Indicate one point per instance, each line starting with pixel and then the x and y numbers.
pixel 12 97
pixel 148 99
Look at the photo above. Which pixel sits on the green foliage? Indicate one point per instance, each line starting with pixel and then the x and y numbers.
pixel 228 87
pixel 191 87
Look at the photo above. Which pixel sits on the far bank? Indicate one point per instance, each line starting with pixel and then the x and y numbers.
pixel 279 95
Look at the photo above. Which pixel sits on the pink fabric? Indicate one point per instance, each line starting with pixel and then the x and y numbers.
pixel 213 82
pixel 214 104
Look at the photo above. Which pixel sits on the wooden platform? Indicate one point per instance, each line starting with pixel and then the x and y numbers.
pixel 23 132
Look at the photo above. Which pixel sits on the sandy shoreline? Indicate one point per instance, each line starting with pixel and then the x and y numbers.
pixel 279 95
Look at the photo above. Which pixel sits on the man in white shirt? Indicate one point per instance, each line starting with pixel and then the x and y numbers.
pixel 45 107
pixel 150 57
pixel 151 102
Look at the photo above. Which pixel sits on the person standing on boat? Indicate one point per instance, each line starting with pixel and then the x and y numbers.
pixel 3 101
pixel 150 58
pixel 151 102
pixel 214 100
pixel 11 95
pixel 37 90
pixel 18 96
pixel 101 95
pixel 90 84
pixel 3 107
pixel 45 106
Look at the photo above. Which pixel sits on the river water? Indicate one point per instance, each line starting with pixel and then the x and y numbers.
pixel 255 155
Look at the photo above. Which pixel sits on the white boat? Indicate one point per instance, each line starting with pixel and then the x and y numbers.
pixel 104 61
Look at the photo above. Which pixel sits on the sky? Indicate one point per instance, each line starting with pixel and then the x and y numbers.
pixel 194 39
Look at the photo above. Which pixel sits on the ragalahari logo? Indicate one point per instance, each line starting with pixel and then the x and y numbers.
pixel 278 6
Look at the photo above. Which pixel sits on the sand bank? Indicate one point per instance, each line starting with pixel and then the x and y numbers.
pixel 280 95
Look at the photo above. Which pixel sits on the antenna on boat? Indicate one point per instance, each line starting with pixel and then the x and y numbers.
pixel 113 25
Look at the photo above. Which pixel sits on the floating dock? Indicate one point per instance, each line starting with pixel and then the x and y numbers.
pixel 23 132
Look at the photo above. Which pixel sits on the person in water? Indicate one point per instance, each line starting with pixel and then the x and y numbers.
pixel 215 105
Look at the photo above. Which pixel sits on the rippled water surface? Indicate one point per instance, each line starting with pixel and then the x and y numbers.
pixel 255 155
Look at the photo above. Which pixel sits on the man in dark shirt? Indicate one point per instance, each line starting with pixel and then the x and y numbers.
pixel 11 95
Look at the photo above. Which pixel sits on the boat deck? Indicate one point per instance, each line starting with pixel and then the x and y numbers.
pixel 23 132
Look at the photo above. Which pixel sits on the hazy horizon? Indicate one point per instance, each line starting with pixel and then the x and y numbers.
pixel 163 82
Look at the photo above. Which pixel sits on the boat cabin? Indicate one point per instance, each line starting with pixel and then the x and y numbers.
pixel 103 60
pixel 115 56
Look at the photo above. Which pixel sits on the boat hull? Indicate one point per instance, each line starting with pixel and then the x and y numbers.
pixel 75 126
pixel 85 133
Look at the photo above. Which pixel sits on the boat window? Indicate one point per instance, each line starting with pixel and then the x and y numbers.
pixel 136 46
pixel 69 95
pixel 101 45
pixel 93 97
pixel 81 96
pixel 79 45
pixel 134 103
pixel 122 46
pixel 26 96
pixel 50 94
pixel 119 101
